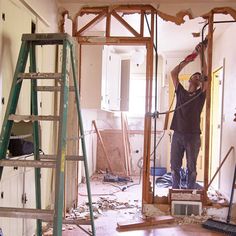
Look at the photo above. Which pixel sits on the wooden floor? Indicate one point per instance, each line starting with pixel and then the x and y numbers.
pixel 106 223
pixel 106 226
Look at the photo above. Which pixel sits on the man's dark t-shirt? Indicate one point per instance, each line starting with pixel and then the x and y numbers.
pixel 187 118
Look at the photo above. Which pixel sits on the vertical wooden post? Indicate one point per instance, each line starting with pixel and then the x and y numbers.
pixel 142 23
pixel 108 23
pixel 208 103
pixel 147 193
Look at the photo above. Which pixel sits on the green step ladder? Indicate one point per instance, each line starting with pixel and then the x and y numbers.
pixel 28 48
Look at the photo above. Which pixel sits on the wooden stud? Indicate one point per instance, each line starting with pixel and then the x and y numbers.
pixel 108 24
pixel 92 10
pixel 208 104
pixel 103 146
pixel 113 40
pixel 142 23
pixel 125 24
pixel 146 191
pixel 91 23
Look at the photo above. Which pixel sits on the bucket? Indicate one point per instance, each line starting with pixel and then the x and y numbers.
pixel 158 171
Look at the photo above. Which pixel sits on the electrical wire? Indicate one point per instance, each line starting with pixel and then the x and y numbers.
pixel 182 105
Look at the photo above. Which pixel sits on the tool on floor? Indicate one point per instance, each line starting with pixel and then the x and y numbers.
pixel 28 48
pixel 225 227
pixel 115 178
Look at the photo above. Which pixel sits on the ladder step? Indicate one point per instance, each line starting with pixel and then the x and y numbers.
pixel 46 215
pixel 52 88
pixel 68 157
pixel 28 163
pixel 32 118
pixel 42 214
pixel 40 75
pixel 47 38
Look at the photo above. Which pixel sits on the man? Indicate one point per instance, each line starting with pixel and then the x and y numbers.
pixel 186 119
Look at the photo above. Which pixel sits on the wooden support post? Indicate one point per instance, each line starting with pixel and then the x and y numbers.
pixel 142 23
pixel 208 103
pixel 108 24
pixel 103 146
pixel 146 191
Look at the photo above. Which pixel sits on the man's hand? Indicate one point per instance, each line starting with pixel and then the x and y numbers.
pixel 201 46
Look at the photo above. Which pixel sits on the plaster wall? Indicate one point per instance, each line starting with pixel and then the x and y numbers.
pixel 224 48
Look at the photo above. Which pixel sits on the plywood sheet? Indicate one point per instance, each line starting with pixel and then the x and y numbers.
pixel 114 146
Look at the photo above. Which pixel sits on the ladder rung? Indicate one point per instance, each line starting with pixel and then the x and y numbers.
pixel 32 117
pixel 42 214
pixel 68 157
pixel 39 75
pixel 76 222
pixel 47 38
pixel 46 215
pixel 52 88
pixel 28 163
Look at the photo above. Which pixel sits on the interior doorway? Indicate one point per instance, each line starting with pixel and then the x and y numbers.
pixel 216 122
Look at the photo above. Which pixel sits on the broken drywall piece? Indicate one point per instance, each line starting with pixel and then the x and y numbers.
pixel 178 19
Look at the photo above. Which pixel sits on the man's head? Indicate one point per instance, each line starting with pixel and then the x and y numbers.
pixel 195 79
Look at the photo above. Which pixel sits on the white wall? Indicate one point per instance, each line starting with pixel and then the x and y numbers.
pixel 19 16
pixel 224 48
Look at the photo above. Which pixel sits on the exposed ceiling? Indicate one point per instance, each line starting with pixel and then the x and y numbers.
pixel 171 37
pixel 174 37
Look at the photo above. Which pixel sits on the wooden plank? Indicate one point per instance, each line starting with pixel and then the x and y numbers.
pixel 68 157
pixel 28 163
pixel 97 40
pixel 27 213
pixel 141 223
pixel 126 160
pixel 127 142
pixel 103 146
pixel 221 164
pixel 142 23
pixel 15 117
pixel 208 105
pixel 134 8
pixel 125 24
pixel 91 10
pixel 127 9
pixel 108 24
pixel 91 23
pixel 146 190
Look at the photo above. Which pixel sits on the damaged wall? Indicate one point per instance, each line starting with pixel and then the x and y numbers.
pixel 224 49
pixel 170 11
pixel 44 15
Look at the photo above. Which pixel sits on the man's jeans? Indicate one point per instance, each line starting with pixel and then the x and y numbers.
pixel 189 143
